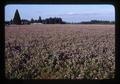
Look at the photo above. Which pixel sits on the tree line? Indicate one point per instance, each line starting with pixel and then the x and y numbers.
pixel 52 20
pixel 98 22
pixel 17 20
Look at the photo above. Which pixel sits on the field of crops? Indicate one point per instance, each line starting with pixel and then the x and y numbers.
pixel 69 51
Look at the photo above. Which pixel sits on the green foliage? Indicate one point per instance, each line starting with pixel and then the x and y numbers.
pixel 17 19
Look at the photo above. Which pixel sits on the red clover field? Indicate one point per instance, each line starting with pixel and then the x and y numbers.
pixel 60 51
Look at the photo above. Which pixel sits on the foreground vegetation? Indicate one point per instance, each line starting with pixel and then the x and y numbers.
pixel 59 51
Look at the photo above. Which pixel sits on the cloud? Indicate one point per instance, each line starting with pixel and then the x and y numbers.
pixel 72 13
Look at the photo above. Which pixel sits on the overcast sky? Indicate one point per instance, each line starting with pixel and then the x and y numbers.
pixel 69 13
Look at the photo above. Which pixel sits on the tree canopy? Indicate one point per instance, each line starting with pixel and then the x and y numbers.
pixel 17 19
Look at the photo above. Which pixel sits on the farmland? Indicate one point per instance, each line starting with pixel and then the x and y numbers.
pixel 59 51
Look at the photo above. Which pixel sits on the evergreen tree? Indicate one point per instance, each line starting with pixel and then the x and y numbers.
pixel 17 19
pixel 32 20
pixel 39 20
